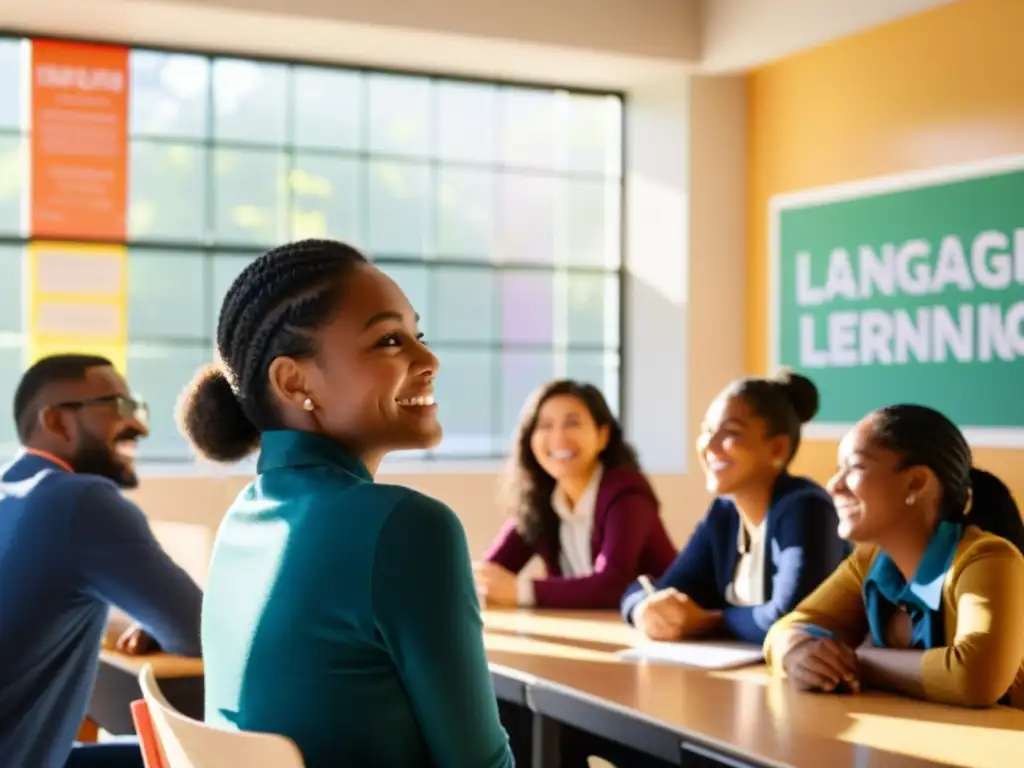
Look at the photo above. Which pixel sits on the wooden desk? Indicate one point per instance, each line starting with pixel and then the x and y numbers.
pixel 743 715
pixel 165 665
pixel 117 685
pixel 563 665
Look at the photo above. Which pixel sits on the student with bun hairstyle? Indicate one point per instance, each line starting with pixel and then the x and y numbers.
pixel 768 539
pixel 930 604
pixel 578 499
pixel 340 612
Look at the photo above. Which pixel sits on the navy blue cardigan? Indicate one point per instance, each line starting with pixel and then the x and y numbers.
pixel 803 547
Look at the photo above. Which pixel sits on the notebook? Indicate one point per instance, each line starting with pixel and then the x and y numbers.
pixel 701 654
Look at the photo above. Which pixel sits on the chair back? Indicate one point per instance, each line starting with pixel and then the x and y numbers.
pixel 188 743
pixel 149 743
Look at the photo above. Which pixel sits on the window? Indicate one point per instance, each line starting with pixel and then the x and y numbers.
pixel 495 207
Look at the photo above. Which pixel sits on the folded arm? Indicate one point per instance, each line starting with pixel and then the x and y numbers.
pixel 427 612
pixel 690 573
pixel 509 549
pixel 123 564
pixel 835 609
pixel 979 667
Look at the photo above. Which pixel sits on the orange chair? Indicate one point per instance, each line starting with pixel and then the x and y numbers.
pixel 152 754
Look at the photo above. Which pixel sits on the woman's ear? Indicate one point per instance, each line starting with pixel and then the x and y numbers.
pixel 779 448
pixel 289 382
pixel 603 436
pixel 921 482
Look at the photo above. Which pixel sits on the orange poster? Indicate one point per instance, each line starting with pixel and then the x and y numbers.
pixel 79 140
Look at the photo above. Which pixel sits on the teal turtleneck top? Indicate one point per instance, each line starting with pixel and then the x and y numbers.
pixel 342 614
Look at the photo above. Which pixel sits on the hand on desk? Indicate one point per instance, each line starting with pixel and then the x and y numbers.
pixel 670 615
pixel 495 586
pixel 822 664
pixel 135 641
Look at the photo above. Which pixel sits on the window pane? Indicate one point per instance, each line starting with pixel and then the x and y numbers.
pixel 328 106
pixel 414 282
pixel 464 305
pixel 527 307
pixel 250 191
pixel 14 173
pixel 169 94
pixel 598 368
pixel 326 195
pixel 467 121
pixel 593 310
pixel 249 101
pixel 464 391
pixel 13 76
pixel 593 236
pixel 159 373
pixel 532 128
pixel 595 135
pixel 12 364
pixel 399 115
pixel 226 267
pixel 167 296
pixel 528 218
pixel 11 289
pixel 401 210
pixel 465 201
pixel 521 373
pixel 167 193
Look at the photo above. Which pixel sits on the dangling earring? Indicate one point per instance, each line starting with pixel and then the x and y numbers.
pixel 909 501
pixel 308 404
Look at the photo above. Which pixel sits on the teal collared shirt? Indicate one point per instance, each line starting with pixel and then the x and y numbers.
pixel 885 590
pixel 342 613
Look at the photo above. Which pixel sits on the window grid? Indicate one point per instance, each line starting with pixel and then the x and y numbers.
pixel 559 343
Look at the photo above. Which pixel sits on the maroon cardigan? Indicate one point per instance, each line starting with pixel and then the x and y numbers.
pixel 629 540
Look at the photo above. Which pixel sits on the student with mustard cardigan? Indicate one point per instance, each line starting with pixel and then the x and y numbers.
pixel 930 604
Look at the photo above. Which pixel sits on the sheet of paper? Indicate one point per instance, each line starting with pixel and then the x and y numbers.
pixel 700 654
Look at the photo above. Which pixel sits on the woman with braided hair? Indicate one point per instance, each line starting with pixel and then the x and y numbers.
pixel 339 612
pixel 930 604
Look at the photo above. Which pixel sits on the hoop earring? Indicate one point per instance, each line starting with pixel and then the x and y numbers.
pixel 308 404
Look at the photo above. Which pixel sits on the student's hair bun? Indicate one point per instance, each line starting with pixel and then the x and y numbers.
pixel 800 391
pixel 211 418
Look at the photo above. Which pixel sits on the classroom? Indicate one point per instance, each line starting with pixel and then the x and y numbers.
pixel 682 224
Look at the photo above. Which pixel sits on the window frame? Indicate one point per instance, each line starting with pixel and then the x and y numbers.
pixel 291 149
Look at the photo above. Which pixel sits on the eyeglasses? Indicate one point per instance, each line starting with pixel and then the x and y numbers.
pixel 127 407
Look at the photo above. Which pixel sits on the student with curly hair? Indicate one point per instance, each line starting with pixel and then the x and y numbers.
pixel 577 499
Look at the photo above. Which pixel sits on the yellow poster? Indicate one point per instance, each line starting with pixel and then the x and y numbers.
pixel 77 301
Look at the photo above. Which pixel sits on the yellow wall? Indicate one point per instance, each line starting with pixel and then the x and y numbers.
pixel 940 88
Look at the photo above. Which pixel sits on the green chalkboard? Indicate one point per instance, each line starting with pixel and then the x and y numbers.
pixel 906 289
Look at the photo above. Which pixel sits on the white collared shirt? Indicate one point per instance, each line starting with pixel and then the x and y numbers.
pixel 747 587
pixel 575 530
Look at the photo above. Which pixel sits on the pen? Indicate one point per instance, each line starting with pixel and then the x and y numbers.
pixel 645 582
